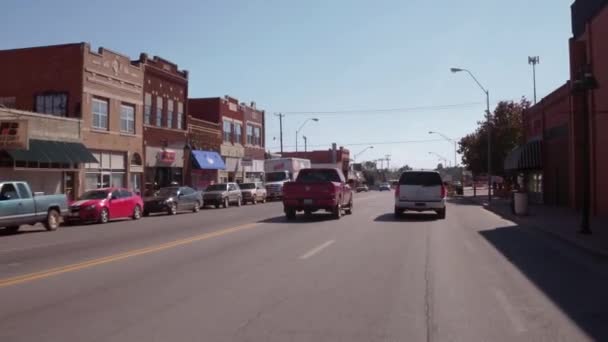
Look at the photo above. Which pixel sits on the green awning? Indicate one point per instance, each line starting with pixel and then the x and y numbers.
pixel 46 151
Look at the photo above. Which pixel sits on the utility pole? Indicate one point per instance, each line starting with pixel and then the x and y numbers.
pixel 388 161
pixel 305 143
pixel 533 61
pixel 281 116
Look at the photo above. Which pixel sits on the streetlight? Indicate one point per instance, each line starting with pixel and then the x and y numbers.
pixel 305 142
pixel 365 149
pixel 281 116
pixel 488 116
pixel 302 126
pixel 447 162
pixel 450 140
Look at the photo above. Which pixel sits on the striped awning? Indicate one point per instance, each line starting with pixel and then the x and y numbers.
pixel 525 157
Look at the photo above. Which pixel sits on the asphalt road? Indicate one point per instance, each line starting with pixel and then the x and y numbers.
pixel 246 274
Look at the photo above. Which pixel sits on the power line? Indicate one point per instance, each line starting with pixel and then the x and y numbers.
pixel 373 143
pixel 386 110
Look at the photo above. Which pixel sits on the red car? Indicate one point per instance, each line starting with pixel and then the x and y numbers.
pixel 103 205
pixel 318 189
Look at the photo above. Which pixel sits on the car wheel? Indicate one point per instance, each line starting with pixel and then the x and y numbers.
pixel 172 209
pixel 239 202
pixel 104 216
pixel 146 213
pixel 197 207
pixel 441 213
pixel 52 220
pixel 217 206
pixel 264 199
pixel 226 202
pixel 254 201
pixel 290 214
pixel 12 229
pixel 337 212
pixel 398 213
pixel 137 212
pixel 349 211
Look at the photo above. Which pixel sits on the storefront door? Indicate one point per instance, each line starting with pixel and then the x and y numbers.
pixel 68 185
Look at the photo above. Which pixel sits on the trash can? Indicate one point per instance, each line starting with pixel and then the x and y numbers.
pixel 520 203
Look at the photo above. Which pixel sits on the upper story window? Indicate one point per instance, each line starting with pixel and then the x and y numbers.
pixel 250 140
pixel 227 131
pixel 257 137
pixel 170 114
pixel 127 118
pixel 147 108
pixel 180 115
pixel 159 111
pixel 52 103
pixel 100 113
pixel 238 133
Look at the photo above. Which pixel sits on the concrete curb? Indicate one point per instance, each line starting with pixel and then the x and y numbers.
pixel 596 252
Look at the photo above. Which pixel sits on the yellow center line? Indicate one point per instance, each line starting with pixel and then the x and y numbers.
pixel 116 257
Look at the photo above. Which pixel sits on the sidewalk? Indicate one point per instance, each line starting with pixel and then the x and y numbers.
pixel 560 222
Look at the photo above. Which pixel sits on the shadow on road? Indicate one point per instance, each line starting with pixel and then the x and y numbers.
pixel 301 218
pixel 407 217
pixel 23 230
pixel 578 291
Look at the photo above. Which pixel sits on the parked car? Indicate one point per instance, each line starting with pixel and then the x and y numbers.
pixel 103 205
pixel 173 199
pixel 318 189
pixel 223 195
pixel 253 192
pixel 420 191
pixel 384 187
pixel 458 187
pixel 362 188
pixel 19 206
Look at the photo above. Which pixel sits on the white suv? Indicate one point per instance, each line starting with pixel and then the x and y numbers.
pixel 420 191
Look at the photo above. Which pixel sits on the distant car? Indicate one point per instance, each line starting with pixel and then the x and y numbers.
pixel 384 187
pixel 420 191
pixel 223 195
pixel 253 192
pixel 103 205
pixel 458 187
pixel 362 188
pixel 173 199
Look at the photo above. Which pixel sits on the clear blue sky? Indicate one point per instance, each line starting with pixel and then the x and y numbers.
pixel 320 55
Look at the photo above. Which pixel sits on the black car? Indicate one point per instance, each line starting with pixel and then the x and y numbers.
pixel 173 199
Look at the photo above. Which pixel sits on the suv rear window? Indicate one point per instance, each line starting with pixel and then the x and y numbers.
pixel 312 175
pixel 420 178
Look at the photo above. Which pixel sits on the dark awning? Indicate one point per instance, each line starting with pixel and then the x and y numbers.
pixel 46 151
pixel 208 160
pixel 525 157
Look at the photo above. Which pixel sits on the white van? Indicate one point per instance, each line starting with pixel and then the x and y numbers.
pixel 420 191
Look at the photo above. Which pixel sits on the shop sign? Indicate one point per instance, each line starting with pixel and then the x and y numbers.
pixel 232 151
pixel 166 156
pixel 247 162
pixel 14 134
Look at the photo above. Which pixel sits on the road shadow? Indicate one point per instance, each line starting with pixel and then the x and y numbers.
pixel 578 291
pixel 462 201
pixel 407 217
pixel 301 218
pixel 22 230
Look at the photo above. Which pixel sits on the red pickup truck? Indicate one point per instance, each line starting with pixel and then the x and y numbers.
pixel 318 189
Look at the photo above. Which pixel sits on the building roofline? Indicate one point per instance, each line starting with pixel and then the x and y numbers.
pixel 584 11
pixel 46 46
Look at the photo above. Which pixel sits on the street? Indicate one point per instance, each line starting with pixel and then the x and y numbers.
pixel 246 274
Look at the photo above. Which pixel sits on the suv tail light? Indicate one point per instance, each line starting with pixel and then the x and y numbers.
pixel 443 191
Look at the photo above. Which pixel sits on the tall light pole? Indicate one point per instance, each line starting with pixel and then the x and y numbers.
pixel 452 141
pixel 488 116
pixel 533 61
pixel 305 143
pixel 388 162
pixel 302 126
pixel 281 116
pixel 440 157
pixel 360 153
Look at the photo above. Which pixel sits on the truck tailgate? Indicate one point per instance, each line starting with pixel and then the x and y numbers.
pixel 316 190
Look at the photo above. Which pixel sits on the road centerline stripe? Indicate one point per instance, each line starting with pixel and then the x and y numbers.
pixel 316 250
pixel 120 256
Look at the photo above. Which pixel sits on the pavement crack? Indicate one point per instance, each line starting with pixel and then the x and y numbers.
pixel 428 291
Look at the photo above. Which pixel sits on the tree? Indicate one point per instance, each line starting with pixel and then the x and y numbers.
pixel 404 168
pixel 506 128
pixel 439 167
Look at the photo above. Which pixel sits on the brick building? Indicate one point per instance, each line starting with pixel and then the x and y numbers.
pixel 101 88
pixel 324 158
pixel 165 127
pixel 205 140
pixel 242 142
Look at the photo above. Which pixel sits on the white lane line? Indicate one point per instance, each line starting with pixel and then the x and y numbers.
pixel 517 323
pixel 317 249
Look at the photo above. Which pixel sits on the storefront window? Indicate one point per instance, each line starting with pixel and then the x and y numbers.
pixel 109 172
pixel 238 133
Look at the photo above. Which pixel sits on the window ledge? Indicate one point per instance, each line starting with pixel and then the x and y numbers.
pixel 100 130
pixel 128 134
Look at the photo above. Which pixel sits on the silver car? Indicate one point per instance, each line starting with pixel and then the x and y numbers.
pixel 253 192
pixel 420 191
pixel 223 194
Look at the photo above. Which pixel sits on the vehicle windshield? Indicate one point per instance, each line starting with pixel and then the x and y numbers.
pixel 420 178
pixel 247 186
pixel 313 175
pixel 167 192
pixel 217 187
pixel 276 176
pixel 94 194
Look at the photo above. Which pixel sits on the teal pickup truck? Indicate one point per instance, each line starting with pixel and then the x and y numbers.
pixel 19 206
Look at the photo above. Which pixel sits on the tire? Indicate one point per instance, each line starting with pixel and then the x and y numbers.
pixel 337 212
pixel 217 206
pixel 197 207
pixel 398 213
pixel 53 219
pixel 172 209
pixel 137 212
pixel 264 199
pixel 104 216
pixel 12 229
pixel 441 213
pixel 226 202
pixel 254 201
pixel 290 214
pixel 239 202
pixel 308 212
pixel 349 211
pixel 146 213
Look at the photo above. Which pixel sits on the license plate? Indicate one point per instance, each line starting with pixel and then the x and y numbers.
pixel 74 214
pixel 421 204
pixel 307 202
